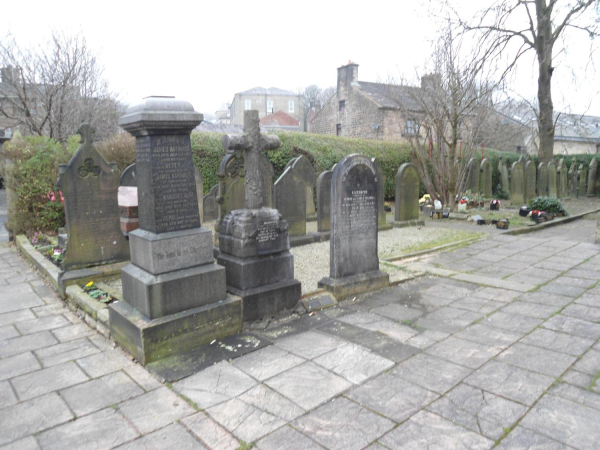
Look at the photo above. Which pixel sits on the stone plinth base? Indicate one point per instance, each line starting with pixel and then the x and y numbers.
pixel 172 292
pixel 408 223
pixel 250 273
pixel 266 301
pixel 149 340
pixel 356 284
pixel 384 226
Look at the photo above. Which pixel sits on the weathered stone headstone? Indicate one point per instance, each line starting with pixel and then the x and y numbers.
pixel 562 183
pixel 90 187
pixel 553 183
pixel 324 201
pixel 290 200
pixel 175 296
pixel 128 177
pixel 211 210
pixel 382 222
pixel 530 180
pixel 517 184
pixel 582 175
pixel 407 196
pixel 354 263
pixel 254 242
pixel 473 168
pixel 199 192
pixel 573 179
pixel 542 180
pixel 504 179
pixel 592 175
pixel 305 170
pixel 486 178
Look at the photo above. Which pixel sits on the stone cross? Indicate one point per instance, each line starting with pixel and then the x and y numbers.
pixel 87 134
pixel 253 143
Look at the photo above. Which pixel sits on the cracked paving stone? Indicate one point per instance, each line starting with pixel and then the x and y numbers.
pixel 479 411
pixel 244 421
pixel 582 396
pixel 432 373
pixel 589 363
pixel 308 385
pixel 523 439
pixel 536 359
pixel 214 385
pixel 354 362
pixel 571 325
pixel 18 365
pixel 510 382
pixel 99 393
pixel 465 353
pixel 310 344
pixel 512 322
pixel 565 421
pixel 270 401
pixel 287 438
pixel 560 342
pixel 374 322
pixel 48 380
pixel 490 336
pixel 392 397
pixel 267 362
pixel 32 417
pixel 343 425
pixel 173 437
pixel 103 429
pixel 427 430
pixel 210 432
pixel 155 409
pixel 68 351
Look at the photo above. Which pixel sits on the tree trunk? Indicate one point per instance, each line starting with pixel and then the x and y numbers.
pixel 544 47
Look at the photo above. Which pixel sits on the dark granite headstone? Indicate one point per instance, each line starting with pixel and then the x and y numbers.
pixel 592 175
pixel 90 186
pixel 354 263
pixel 210 204
pixel 553 183
pixel 128 177
pixel 530 180
pixel 517 184
pixel 290 201
pixel 407 194
pixel 542 180
pixel 324 201
pixel 486 178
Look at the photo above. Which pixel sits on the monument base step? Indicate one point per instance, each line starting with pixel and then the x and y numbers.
pixel 384 227
pixel 150 340
pixel 269 300
pixel 355 284
pixel 408 223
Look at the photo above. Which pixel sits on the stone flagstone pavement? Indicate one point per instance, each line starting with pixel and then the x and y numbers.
pixel 433 363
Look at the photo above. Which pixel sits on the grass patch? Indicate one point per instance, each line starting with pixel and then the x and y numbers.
pixel 245 446
pixel 446 236
pixel 595 379
pixel 515 221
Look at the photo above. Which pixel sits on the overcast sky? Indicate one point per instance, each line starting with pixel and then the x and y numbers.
pixel 205 52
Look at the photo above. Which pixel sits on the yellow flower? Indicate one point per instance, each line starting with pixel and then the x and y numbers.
pixel 89 284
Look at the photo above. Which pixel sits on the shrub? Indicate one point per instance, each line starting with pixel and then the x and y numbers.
pixel 548 204
pixel 119 148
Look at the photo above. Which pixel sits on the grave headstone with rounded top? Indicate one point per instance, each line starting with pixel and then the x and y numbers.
pixel 517 182
pixel 562 177
pixel 305 170
pixel 486 178
pixel 211 211
pixel 407 197
pixel 290 200
pixel 542 180
pixel 592 176
pixel 324 201
pixel 473 169
pixel 553 183
pixel 530 180
pixel 504 178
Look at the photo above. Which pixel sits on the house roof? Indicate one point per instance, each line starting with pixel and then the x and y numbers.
pixel 279 118
pixel 390 95
pixel 268 91
pixel 576 127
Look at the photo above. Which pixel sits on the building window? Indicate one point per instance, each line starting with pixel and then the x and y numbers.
pixel 248 105
pixel 291 106
pixel 338 130
pixel 411 127
pixel 342 105
pixel 269 106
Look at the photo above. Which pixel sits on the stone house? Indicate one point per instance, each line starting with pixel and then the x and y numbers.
pixel 577 134
pixel 266 102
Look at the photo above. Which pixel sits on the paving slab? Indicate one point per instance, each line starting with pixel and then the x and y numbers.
pixel 466 353
pixel 267 362
pixel 558 342
pixel 173 437
pixel 536 359
pixel 522 439
pixel 47 380
pixel 288 438
pixel 210 432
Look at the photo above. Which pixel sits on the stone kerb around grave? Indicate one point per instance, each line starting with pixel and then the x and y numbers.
pixel 407 197
pixel 354 263
pixel 175 296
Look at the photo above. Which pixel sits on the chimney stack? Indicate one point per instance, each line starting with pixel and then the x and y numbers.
pixel 347 76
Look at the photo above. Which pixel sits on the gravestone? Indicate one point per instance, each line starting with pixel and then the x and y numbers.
pixel 542 180
pixel 90 187
pixel 128 177
pixel 407 197
pixel 517 184
pixel 553 183
pixel 530 180
pixel 290 200
pixel 486 178
pixel 254 242
pixel 592 175
pixel 324 201
pixel 382 223
pixel 175 296
pixel 305 170
pixel 573 179
pixel 473 169
pixel 504 179
pixel 354 263
pixel 562 179
pixel 582 175
pixel 211 210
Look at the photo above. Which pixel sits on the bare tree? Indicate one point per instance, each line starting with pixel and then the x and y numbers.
pixel 537 25
pixel 314 92
pixel 50 90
